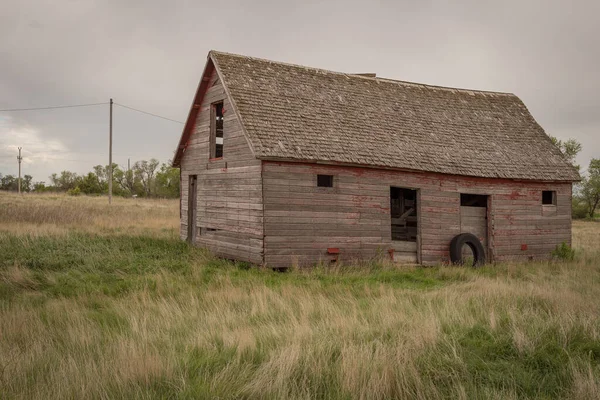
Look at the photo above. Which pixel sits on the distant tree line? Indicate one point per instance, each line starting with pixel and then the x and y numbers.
pixel 147 178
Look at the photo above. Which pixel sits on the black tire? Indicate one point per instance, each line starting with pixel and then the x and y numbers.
pixel 470 240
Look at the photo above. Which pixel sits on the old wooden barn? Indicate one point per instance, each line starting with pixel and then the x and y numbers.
pixel 288 165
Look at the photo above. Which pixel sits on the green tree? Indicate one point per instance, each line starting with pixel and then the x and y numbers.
pixel 26 183
pixel 144 172
pixel 117 173
pixel 90 184
pixel 101 173
pixel 65 181
pixel 590 187
pixel 167 181
pixel 569 148
pixel 124 181
pixel 39 187
pixel 146 179
pixel 9 182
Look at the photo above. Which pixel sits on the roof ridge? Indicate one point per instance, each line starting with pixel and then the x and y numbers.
pixel 377 78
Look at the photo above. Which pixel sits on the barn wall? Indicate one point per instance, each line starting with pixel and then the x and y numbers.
pixel 303 220
pixel 229 190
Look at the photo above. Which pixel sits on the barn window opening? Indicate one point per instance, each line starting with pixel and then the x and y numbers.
pixel 216 130
pixel 325 180
pixel 549 197
pixel 473 200
pixel 403 210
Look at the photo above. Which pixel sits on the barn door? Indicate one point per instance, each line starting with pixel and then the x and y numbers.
pixel 473 219
pixel 192 208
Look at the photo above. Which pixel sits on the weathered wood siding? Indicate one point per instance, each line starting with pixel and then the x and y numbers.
pixel 229 190
pixel 474 220
pixel 303 220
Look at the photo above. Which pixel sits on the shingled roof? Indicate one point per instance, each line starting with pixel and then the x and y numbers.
pixel 296 113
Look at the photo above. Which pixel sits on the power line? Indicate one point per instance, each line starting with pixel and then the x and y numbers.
pixel 53 107
pixel 110 131
pixel 42 158
pixel 65 159
pixel 88 105
pixel 148 113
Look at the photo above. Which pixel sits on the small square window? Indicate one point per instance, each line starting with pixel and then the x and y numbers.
pixel 549 197
pixel 325 180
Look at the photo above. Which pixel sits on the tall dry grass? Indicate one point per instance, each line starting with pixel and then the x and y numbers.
pixel 53 214
pixel 211 329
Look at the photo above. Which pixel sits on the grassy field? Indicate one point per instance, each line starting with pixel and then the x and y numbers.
pixel 107 302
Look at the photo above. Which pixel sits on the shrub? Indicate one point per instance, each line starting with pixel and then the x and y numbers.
pixel 74 192
pixel 563 252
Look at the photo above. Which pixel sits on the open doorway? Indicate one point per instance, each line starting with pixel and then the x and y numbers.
pixel 403 214
pixel 403 206
pixel 192 208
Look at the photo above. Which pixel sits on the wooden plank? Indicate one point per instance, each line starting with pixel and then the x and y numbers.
pixel 403 246
pixel 480 212
pixel 410 258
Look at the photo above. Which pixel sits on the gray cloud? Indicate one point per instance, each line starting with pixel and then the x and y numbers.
pixel 150 54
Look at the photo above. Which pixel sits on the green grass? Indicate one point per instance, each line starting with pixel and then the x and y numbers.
pixel 492 362
pixel 82 264
pixel 86 315
pixel 86 264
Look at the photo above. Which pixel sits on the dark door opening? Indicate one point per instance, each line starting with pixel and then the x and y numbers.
pixel 192 208
pixel 403 210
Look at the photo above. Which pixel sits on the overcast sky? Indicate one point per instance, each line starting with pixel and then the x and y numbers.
pixel 150 54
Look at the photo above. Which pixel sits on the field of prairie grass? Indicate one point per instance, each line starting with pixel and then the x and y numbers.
pixel 107 302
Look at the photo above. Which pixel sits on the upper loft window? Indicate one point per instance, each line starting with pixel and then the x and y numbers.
pixel 325 180
pixel 216 130
pixel 549 197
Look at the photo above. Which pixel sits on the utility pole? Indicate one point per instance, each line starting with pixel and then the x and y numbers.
pixel 110 169
pixel 19 158
pixel 129 177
